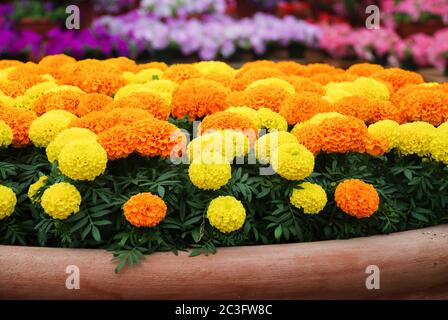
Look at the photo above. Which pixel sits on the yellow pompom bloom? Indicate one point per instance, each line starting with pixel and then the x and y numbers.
pixel 439 146
pixel 415 138
pixel 162 85
pixel 266 144
pixel 273 82
pixel 73 134
pixel 247 112
pixel 5 135
pixel 310 197
pixel 272 120
pixel 61 200
pixel 371 89
pixel 226 214
pixel 143 76
pixel 40 89
pixel 63 113
pixel 292 161
pixel 210 172
pixel 214 67
pixel 8 201
pixel 35 187
pixel 229 143
pixel 45 128
pixel 386 129
pixel 82 160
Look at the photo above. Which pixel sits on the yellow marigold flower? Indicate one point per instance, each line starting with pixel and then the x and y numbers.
pixel 439 146
pixel 334 95
pixel 310 197
pixel 40 89
pixel 371 89
pixel 45 128
pixel 226 214
pixel 73 134
pixel 386 129
pixel 82 160
pixel 132 88
pixel 145 210
pixel 8 201
pixel 23 102
pixel 272 120
pixel 210 172
pixel 415 138
pixel 162 85
pixel 5 135
pixel 214 67
pixel 273 82
pixel 250 113
pixel 61 200
pixel 142 76
pixel 266 144
pixel 229 143
pixel 316 120
pixel 292 161
pixel 35 187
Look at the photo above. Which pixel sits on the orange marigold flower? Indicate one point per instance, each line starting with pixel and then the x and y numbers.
pixel 145 210
pixel 9 63
pixel 357 198
pixel 265 96
pixel 53 62
pixel 153 65
pixel 342 135
pixel 324 78
pixel 364 69
pixel 93 102
pixel 199 97
pixel 291 68
pixel 426 105
pixel 93 76
pixel 117 141
pixel 124 64
pixel 12 88
pixel 235 99
pixel 375 146
pixel 151 102
pixel 384 110
pixel 302 84
pixel 316 68
pixel 181 72
pixel 355 106
pixel 398 77
pixel 256 65
pixel 153 137
pixel 229 120
pixel 243 79
pixel 302 106
pixel 19 120
pixel 309 136
pixel 96 121
pixel 222 78
pixel 128 116
pixel 67 100
pixel 28 80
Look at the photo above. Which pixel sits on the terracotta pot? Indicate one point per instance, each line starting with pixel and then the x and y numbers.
pixel 412 264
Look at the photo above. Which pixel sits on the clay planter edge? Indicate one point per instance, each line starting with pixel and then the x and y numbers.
pixel 413 265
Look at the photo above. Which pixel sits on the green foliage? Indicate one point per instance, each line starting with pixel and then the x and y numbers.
pixel 414 194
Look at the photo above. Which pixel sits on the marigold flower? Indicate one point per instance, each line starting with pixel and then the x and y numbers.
pixel 180 72
pixel 12 88
pixel 438 147
pixel 386 129
pixel 19 120
pixel 246 77
pixel 301 107
pixel 371 89
pixel 364 69
pixel 257 64
pixel 142 76
pixel 302 84
pixel 397 77
pixel 151 102
pixel 5 135
pixel 357 198
pixel 153 137
pixel 308 135
pixel 93 102
pixel 82 159
pixel 291 68
pixel 228 120
pixel 40 89
pixel 273 82
pixel 215 67
pixel 375 146
pixel 247 112
pixel 355 106
pixel 8 201
pixel 27 74
pixel 223 79
pixel 52 63
pixel 309 197
pixel 292 161
pixel 117 141
pixel 210 171
pixel 426 105
pixel 264 95
pixel 384 110
pixel 272 120
pixel 123 64
pixel 316 68
pixel 63 100
pixel 61 200
pixel 415 138
pixel 198 98
pixel 266 144
pixel 226 214
pixel 73 134
pixel 45 128
pixel 35 188
pixel 6 63
pixel 324 78
pixel 159 86
pixel 235 98
pixel 145 210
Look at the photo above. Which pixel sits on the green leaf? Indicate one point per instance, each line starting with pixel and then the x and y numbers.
pixel 278 232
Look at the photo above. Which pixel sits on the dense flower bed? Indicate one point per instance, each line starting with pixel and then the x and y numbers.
pixel 138 158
